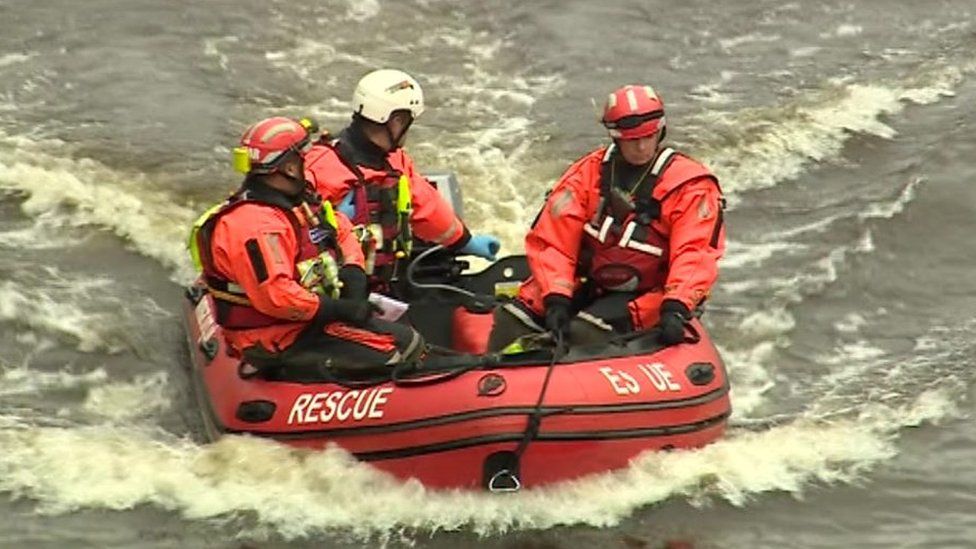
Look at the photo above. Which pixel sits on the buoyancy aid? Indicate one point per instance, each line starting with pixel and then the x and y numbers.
pixel 383 205
pixel 626 244
pixel 316 262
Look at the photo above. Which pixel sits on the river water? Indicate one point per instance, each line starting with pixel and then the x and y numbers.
pixel 846 307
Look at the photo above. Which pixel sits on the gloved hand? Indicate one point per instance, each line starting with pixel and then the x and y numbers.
pixel 482 245
pixel 346 206
pixel 355 284
pixel 557 314
pixel 353 311
pixel 674 316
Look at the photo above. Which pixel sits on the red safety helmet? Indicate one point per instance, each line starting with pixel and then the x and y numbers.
pixel 266 143
pixel 633 112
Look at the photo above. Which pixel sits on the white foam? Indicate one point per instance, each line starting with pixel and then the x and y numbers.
pixel 54 311
pixel 741 255
pixel 818 274
pixel 855 356
pixel 297 493
pixel 844 31
pixel 851 323
pixel 805 51
pixel 13 58
pixel 23 380
pixel 145 395
pixel 362 10
pixel 749 377
pixel 751 38
pixel 86 192
pixel 764 147
pixel 74 307
pixel 47 231
pixel 212 47
pixel 766 324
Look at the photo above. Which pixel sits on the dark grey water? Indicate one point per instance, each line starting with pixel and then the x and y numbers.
pixel 841 132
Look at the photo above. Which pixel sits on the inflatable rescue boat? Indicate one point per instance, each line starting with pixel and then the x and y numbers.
pixel 498 422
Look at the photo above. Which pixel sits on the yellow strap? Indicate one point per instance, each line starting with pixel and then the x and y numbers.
pixel 404 198
pixel 404 212
pixel 329 214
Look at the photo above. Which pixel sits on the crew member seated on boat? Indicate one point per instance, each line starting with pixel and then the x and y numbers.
pixel 286 271
pixel 366 173
pixel 628 238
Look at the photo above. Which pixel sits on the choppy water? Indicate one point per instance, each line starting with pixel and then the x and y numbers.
pixel 840 131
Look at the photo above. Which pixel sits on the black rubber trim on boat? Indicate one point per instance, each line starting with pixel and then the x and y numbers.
pixel 542 437
pixel 581 409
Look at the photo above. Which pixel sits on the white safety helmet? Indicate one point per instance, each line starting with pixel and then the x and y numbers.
pixel 384 91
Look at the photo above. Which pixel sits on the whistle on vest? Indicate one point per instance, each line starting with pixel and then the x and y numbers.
pixel 370 239
pixel 621 204
pixel 310 216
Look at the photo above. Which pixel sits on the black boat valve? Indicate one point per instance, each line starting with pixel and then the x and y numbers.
pixel 700 373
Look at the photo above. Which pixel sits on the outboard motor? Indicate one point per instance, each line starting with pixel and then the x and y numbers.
pixel 447 184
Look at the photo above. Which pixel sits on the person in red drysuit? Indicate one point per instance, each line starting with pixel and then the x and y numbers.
pixel 366 173
pixel 628 238
pixel 286 272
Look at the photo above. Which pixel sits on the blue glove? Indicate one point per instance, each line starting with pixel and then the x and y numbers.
pixel 482 245
pixel 346 206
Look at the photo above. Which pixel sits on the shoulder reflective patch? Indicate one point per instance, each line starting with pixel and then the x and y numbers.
pixel 257 260
pixel 560 202
pixel 273 243
pixel 704 208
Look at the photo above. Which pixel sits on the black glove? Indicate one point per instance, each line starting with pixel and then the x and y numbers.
pixel 353 311
pixel 355 284
pixel 674 316
pixel 557 314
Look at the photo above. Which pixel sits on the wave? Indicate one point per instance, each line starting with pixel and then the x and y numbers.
pixel 851 423
pixel 56 311
pixel 759 148
pixel 297 493
pixel 79 308
pixel 46 232
pixel 122 401
pixel 86 192
pixel 23 380
pixel 14 58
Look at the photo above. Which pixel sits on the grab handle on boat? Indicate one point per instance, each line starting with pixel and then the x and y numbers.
pixel 504 481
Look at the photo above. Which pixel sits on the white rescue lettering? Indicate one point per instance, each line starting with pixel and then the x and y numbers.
pixel 659 376
pixel 314 407
pixel 357 405
pixel 379 399
pixel 296 409
pixel 622 382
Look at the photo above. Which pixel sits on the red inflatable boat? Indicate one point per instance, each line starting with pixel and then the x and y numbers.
pixel 497 422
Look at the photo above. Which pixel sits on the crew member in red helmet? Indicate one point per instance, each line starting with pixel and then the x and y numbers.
pixel 285 271
pixel 628 238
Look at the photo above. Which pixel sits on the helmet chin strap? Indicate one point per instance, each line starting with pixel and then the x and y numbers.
pixel 396 143
pixel 298 181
